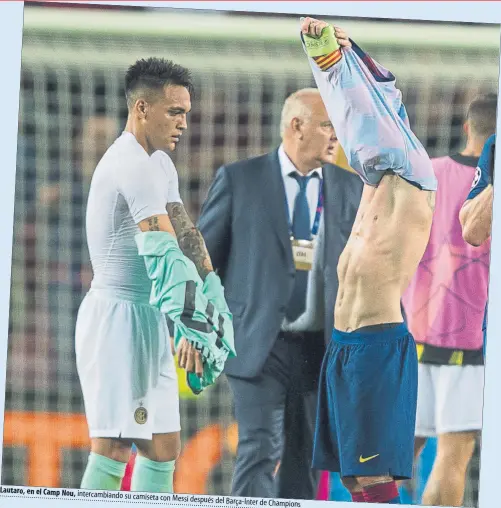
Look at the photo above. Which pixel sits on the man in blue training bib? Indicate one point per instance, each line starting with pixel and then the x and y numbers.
pixel 368 387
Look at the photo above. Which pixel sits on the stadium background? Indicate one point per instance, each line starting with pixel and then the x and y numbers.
pixel 71 108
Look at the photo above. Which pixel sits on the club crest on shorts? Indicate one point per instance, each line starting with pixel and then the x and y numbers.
pixel 141 415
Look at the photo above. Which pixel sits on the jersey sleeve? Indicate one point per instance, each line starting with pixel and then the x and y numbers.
pixel 484 174
pixel 385 80
pixel 144 186
pixel 173 191
pixel 169 168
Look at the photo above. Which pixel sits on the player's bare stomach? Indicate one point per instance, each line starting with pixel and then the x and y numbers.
pixel 387 242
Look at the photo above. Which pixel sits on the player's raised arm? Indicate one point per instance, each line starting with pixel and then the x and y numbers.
pixel 476 214
pixel 365 108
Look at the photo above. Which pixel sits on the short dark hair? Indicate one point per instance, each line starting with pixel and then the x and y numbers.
pixel 482 115
pixel 154 74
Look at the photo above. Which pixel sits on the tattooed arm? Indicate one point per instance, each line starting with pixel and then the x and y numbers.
pixel 190 239
pixel 157 223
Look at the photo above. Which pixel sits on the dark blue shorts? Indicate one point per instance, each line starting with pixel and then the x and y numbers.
pixel 367 401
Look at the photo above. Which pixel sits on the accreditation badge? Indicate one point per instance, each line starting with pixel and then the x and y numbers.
pixel 302 253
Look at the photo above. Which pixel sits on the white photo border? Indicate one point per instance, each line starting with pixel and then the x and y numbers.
pixel 11 25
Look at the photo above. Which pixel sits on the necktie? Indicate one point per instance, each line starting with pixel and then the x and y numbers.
pixel 301 230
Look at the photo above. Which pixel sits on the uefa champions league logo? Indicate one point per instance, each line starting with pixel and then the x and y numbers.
pixel 478 174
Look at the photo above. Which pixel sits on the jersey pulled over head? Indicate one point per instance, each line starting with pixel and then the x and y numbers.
pixel 367 112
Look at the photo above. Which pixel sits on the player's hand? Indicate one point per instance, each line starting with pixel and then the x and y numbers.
pixel 342 37
pixel 172 346
pixel 314 27
pixel 189 358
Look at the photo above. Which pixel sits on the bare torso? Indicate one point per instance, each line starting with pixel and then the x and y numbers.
pixel 387 242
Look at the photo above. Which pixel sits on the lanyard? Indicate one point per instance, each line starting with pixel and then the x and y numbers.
pixel 318 213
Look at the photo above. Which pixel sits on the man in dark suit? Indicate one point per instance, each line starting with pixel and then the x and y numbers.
pixel 263 224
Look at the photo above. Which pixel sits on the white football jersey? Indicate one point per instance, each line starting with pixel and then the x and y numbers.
pixel 127 187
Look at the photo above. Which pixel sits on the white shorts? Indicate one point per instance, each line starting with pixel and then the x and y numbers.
pixel 126 368
pixel 450 399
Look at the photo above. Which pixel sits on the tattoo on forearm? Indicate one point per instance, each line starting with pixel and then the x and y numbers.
pixel 153 224
pixel 190 239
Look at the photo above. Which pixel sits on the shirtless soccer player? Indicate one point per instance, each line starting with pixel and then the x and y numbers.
pixel 368 388
pixel 148 260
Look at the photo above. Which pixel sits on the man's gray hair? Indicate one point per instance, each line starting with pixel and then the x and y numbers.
pixel 296 107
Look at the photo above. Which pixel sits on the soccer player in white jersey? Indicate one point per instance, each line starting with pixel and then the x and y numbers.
pixel 148 260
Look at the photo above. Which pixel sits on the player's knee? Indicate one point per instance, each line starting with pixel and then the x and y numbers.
pixel 162 448
pixel 455 454
pixel 176 448
pixel 454 461
pixel 168 451
pixel 368 481
pixel 350 483
pixel 112 448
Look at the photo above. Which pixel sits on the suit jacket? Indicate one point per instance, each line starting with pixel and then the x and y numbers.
pixel 245 226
